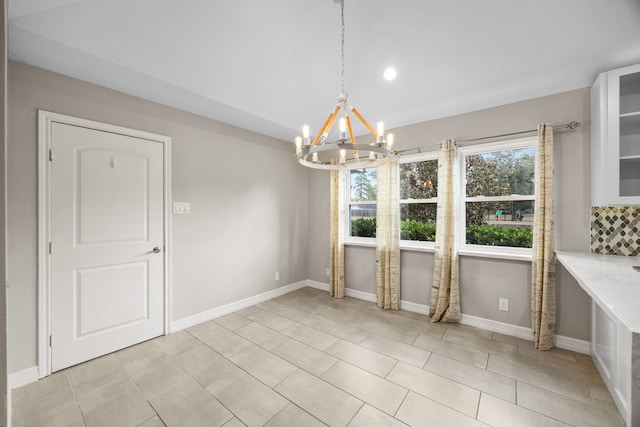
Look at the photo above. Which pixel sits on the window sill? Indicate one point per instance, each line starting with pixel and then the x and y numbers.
pixel 363 241
pixel 412 245
pixel 507 255
pixel 405 245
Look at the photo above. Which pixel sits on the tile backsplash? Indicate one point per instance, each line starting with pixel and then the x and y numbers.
pixel 615 230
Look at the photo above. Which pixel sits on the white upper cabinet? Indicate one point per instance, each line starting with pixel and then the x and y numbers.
pixel 615 138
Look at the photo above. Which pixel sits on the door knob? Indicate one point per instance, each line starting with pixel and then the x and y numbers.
pixel 156 250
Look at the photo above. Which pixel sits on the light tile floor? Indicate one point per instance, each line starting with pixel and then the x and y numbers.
pixel 305 359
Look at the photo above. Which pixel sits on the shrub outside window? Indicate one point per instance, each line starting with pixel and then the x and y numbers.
pixel 418 197
pixel 362 202
pixel 498 188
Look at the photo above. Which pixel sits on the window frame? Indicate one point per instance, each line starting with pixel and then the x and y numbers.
pixel 417 244
pixel 524 254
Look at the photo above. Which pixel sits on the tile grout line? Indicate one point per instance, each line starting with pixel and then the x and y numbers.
pixel 138 388
pixel 433 400
pixel 427 361
pixel 266 385
pixel 401 403
pixel 75 396
pixel 205 388
pixel 478 405
pixel 308 299
pixel 355 414
pixel 395 364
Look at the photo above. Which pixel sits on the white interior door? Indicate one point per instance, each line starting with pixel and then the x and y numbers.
pixel 107 243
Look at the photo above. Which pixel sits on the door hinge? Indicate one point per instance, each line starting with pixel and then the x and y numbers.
pixel 50 247
pixel 50 155
pixel 50 340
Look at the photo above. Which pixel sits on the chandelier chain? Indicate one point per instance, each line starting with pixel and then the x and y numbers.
pixel 342 16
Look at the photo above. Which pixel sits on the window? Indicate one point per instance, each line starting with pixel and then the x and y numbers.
pixel 498 191
pixel 418 197
pixel 362 202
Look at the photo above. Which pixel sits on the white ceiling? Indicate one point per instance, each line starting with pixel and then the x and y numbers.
pixel 270 66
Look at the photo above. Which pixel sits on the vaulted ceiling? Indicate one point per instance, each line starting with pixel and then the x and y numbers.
pixel 270 66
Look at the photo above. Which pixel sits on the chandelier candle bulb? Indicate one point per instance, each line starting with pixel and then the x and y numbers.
pixel 305 134
pixel 342 156
pixel 390 139
pixel 343 130
pixel 380 129
pixel 298 141
pixel 314 157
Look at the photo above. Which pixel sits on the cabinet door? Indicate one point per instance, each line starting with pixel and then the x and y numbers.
pixel 603 343
pixel 611 352
pixel 623 136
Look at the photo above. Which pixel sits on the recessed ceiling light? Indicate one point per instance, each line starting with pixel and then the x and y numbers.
pixel 390 73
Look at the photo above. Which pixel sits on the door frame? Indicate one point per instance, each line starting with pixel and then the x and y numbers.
pixel 45 122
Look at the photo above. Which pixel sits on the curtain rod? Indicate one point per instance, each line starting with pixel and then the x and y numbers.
pixel 569 125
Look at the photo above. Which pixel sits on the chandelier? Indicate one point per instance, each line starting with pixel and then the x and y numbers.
pixel 345 152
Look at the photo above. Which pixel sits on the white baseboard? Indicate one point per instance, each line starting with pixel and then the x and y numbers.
pixel 567 343
pixel 496 326
pixel 185 322
pixel 366 296
pixel 560 341
pixel 414 307
pixel 23 377
pixel 318 285
pixel 573 344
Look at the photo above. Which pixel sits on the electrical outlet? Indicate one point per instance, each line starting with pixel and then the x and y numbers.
pixel 327 272
pixel 503 304
pixel 276 277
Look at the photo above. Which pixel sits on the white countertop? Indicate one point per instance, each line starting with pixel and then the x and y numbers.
pixel 610 280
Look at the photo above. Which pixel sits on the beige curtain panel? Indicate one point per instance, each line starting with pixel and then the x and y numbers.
pixel 445 290
pixel 388 235
pixel 336 257
pixel 543 273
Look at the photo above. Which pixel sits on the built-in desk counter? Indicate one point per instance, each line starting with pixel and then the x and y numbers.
pixel 614 287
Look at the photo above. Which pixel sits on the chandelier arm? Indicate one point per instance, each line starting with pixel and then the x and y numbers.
pixel 364 122
pixel 330 124
pixel 324 126
pixel 351 136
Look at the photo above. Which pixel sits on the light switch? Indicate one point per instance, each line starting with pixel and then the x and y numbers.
pixel 181 207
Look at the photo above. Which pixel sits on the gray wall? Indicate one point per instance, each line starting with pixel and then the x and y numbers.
pixel 248 221
pixel 248 200
pixel 484 280
pixel 318 250
pixel 3 206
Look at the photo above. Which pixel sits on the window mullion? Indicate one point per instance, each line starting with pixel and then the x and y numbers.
pixel 512 198
pixel 363 202
pixel 417 201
